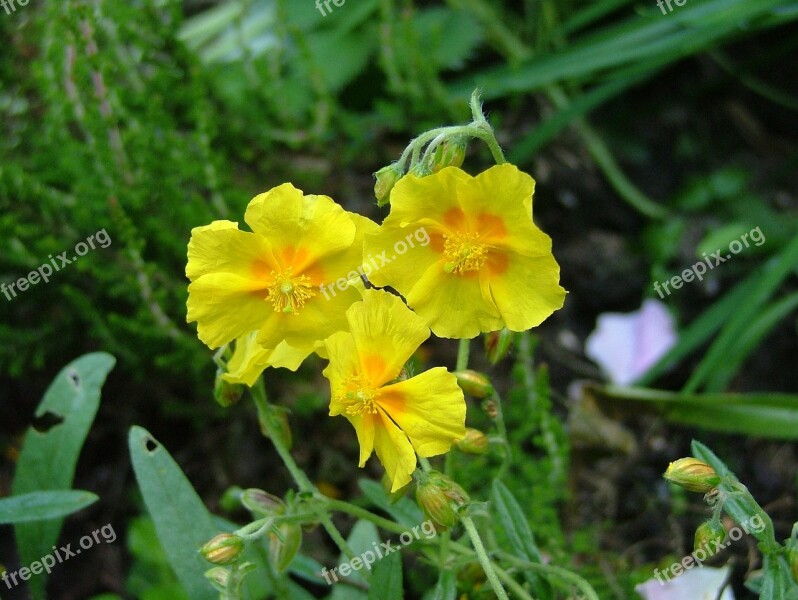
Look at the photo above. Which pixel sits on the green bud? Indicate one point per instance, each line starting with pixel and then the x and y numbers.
pixel 792 560
pixel 284 543
pixel 474 442
pixel 231 499
pixel 385 179
pixel 226 393
pixel 498 344
pixel 262 503
pixel 474 383
pixel 276 417
pixel 692 474
pixel 708 533
pixel 440 497
pixel 450 153
pixel 219 577
pixel 224 549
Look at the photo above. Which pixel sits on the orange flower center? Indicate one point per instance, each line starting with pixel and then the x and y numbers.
pixel 358 396
pixel 288 294
pixel 463 252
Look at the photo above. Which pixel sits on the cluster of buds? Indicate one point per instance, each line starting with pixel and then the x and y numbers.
pixel 441 498
pixel 448 153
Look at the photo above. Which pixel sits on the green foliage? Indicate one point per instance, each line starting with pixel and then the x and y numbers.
pixel 181 520
pixel 41 506
pixel 49 457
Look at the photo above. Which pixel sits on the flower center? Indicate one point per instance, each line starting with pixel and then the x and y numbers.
pixel 288 293
pixel 463 252
pixel 358 397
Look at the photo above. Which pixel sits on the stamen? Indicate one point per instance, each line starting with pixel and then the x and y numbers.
pixel 463 252
pixel 358 397
pixel 288 294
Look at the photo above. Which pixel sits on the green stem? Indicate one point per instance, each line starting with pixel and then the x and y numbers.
pixel 362 513
pixel 553 572
pixel 511 583
pixel 484 560
pixel 425 465
pixel 605 161
pixel 271 429
pixel 502 427
pixel 463 351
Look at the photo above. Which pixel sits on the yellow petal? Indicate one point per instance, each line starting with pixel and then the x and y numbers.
pixel 343 366
pixel 425 200
pixel 222 248
pixel 301 229
pixel 528 291
pixel 396 256
pixel 454 306
pixel 225 307
pixel 385 334
pixel 429 408
pixel 250 359
pixel 364 428
pixel 394 451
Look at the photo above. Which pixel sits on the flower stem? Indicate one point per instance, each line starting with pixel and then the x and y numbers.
pixel 483 557
pixel 463 350
pixel 305 485
pixel 366 515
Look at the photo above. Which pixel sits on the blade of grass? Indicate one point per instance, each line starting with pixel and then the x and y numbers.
pixel 768 280
pixel 750 340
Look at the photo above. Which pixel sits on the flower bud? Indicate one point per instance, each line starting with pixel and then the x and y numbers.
pixel 792 560
pixel 450 153
pixel 284 543
pixel 276 418
pixel 226 393
pixel 231 499
pixel 385 179
pixel 219 577
pixel 224 549
pixel 440 498
pixel 708 534
pixel 474 442
pixel 498 344
pixel 262 503
pixel 692 474
pixel 474 383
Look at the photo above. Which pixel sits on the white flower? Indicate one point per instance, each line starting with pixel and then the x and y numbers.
pixel 627 345
pixel 700 583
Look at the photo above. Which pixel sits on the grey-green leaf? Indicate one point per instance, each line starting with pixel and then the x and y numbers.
pixel 386 582
pixel 48 458
pixel 181 520
pixel 41 506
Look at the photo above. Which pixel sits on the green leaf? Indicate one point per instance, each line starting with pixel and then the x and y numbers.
pixel 768 415
pixel 516 528
pixel 48 458
pixel 181 520
pixel 386 580
pixel 40 506
pixel 446 588
pixel 403 511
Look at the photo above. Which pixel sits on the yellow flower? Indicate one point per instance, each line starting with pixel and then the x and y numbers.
pixel 278 279
pixel 486 266
pixel 424 414
pixel 250 359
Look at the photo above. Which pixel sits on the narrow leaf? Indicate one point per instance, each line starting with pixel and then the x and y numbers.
pixel 41 506
pixel 49 457
pixel 181 520
pixel 386 581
